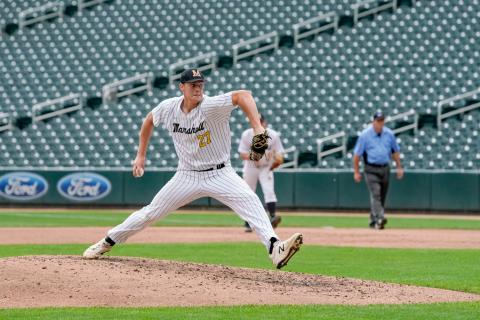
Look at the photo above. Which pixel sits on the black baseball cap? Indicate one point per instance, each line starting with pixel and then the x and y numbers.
pixel 378 115
pixel 191 75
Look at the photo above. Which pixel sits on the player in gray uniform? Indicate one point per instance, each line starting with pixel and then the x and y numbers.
pixel 199 126
pixel 262 170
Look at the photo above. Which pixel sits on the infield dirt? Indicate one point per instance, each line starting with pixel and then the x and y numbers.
pixel 349 237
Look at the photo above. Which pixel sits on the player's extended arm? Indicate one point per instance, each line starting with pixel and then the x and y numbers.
pixel 356 168
pixel 396 158
pixel 245 101
pixel 277 161
pixel 145 134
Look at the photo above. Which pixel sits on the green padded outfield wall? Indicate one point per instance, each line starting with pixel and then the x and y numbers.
pixel 351 195
pixel 424 191
pixel 455 191
pixel 412 192
pixel 314 190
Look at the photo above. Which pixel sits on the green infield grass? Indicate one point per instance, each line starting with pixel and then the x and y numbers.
pixel 101 218
pixel 440 311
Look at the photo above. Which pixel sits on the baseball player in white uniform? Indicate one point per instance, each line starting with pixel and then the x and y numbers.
pixel 199 126
pixel 262 170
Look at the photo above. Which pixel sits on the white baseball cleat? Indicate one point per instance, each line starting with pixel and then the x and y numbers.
pixel 97 250
pixel 283 251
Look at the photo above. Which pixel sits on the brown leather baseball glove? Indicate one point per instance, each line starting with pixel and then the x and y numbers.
pixel 259 146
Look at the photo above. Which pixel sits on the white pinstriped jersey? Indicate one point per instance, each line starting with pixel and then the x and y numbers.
pixel 201 137
pixel 274 146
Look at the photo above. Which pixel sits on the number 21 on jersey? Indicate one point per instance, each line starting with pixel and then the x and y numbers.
pixel 204 139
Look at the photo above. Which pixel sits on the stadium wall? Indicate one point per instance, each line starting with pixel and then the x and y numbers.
pixel 423 191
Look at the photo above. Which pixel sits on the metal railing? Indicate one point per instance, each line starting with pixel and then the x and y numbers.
pixel 342 148
pixel 40 13
pixel 272 37
pixel 442 103
pixel 82 4
pixel 294 162
pixel 210 58
pixel 5 121
pixel 357 14
pixel 330 17
pixel 404 116
pixel 38 115
pixel 115 90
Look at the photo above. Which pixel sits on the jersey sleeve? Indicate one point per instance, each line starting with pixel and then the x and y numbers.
pixel 159 113
pixel 359 149
pixel 244 145
pixel 394 145
pixel 218 107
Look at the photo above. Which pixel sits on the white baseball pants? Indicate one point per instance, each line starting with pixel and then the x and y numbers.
pixel 223 185
pixel 252 175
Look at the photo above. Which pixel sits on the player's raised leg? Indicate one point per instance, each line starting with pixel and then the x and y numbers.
pixel 179 191
pixel 227 187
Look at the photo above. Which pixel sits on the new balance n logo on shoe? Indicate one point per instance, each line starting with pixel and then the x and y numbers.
pixel 281 248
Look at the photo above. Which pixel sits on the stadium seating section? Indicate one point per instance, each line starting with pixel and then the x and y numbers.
pixel 409 59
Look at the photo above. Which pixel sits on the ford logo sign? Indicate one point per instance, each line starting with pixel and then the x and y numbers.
pixel 84 186
pixel 22 186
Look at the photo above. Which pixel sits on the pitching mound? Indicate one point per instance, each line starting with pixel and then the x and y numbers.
pixel 44 281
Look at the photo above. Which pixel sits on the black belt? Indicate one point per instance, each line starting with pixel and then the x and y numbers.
pixel 377 165
pixel 217 167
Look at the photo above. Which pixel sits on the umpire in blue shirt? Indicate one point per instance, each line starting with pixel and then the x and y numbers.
pixel 377 146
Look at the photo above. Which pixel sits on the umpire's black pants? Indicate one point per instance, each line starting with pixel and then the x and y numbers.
pixel 377 179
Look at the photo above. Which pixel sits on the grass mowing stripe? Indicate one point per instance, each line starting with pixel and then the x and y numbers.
pixel 441 311
pixel 66 215
pixel 89 218
pixel 440 268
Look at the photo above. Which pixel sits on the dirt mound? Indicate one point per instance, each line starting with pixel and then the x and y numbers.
pixel 43 281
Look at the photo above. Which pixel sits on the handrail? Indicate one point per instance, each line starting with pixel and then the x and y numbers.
pixel 273 36
pixel 40 106
pixel 210 57
pixel 403 115
pixel 294 162
pixel 111 92
pixel 297 35
pixel 342 148
pixel 40 13
pixel 440 104
pixel 357 15
pixel 8 125
pixel 82 4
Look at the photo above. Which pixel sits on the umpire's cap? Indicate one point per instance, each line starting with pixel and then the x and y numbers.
pixel 191 75
pixel 378 115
